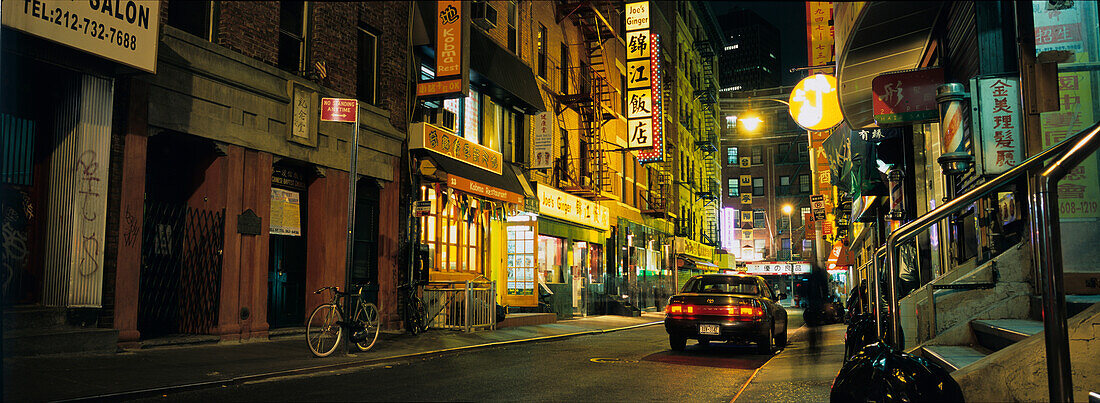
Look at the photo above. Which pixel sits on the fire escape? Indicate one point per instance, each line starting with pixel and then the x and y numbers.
pixel 589 93
pixel 706 142
pixel 659 200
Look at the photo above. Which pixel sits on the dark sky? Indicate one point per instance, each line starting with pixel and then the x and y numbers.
pixel 790 18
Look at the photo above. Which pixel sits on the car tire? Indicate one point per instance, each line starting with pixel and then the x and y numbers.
pixel 781 339
pixel 677 342
pixel 766 344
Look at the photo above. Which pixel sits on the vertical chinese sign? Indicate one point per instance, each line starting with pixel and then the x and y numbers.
pixel 644 112
pixel 1069 29
pixel 819 34
pixel 541 152
pixel 452 60
pixel 821 50
pixel 999 125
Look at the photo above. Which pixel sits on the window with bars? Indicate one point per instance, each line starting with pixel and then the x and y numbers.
pixel 452 233
pixel 731 156
pixel 757 155
pixel 733 190
pixel 804 183
pixel 759 219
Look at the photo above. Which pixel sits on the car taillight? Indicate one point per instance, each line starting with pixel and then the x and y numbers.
pixel 674 309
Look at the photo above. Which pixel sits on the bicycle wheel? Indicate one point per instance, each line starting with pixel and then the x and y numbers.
pixel 323 331
pixel 371 320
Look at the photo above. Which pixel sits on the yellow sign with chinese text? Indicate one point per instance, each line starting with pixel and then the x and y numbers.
pixel 443 141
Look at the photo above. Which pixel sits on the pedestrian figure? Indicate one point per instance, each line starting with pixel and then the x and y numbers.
pixel 817 292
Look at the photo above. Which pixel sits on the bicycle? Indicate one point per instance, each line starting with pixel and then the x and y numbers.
pixel 414 313
pixel 326 323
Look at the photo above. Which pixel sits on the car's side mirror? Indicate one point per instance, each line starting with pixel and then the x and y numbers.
pixel 782 296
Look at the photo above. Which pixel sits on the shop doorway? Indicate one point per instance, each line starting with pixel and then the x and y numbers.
pixel 180 277
pixel 286 277
pixel 364 268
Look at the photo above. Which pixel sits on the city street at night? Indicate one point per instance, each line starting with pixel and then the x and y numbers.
pixel 550 200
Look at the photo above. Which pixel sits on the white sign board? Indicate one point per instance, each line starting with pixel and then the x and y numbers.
pixel 776 268
pixel 286 217
pixel 1000 124
pixel 421 208
pixel 125 31
pixel 543 139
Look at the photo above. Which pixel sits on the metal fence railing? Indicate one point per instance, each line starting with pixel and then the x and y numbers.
pixel 461 305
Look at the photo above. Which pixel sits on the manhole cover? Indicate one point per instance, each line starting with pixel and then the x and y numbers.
pixel 610 360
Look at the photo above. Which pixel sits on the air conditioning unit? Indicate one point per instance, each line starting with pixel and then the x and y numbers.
pixel 485 16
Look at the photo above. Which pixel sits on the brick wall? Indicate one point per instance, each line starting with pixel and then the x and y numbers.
pixel 251 29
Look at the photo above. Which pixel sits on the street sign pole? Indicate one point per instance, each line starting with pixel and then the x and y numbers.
pixel 353 173
pixel 347 111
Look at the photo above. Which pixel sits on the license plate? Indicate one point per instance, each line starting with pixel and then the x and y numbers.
pixel 709 329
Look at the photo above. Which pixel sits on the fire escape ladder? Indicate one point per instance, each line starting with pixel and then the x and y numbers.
pixel 588 174
pixel 707 143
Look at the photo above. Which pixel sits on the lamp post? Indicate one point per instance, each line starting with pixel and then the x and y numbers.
pixel 787 211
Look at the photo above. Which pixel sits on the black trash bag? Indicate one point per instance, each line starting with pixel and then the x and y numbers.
pixel 861 332
pixel 879 373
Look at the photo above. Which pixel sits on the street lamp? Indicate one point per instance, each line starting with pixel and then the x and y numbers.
pixel 787 211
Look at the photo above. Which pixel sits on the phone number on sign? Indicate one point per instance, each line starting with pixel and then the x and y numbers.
pixel 1078 207
pixel 88 26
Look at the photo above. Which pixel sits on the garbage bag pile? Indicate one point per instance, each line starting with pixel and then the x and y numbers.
pixel 879 373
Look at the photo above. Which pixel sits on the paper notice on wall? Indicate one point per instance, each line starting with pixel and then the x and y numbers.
pixel 286 216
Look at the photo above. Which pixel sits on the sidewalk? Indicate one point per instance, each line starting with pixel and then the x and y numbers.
pixel 142 373
pixel 796 375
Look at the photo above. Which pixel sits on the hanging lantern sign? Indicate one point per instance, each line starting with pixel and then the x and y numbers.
pixel 814 104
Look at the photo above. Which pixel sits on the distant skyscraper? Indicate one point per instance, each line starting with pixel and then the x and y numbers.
pixel 750 58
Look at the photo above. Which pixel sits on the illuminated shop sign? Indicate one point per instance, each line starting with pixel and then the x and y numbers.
pixel 644 110
pixel 443 141
pixel 814 103
pixel 452 60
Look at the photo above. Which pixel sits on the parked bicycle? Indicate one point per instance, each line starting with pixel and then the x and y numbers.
pixel 326 327
pixel 414 313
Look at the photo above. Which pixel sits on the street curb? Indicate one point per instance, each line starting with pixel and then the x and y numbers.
pixel 150 392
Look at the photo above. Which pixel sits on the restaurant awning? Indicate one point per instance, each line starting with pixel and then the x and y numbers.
pixel 886 36
pixel 507 186
pixel 503 75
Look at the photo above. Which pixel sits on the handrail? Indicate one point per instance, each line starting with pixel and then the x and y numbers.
pixel 1086 141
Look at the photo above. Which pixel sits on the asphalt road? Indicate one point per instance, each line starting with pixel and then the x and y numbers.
pixel 626 365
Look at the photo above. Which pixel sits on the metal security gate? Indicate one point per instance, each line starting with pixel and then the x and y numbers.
pixel 181 256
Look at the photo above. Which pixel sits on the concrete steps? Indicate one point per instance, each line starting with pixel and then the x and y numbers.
pixel 991 335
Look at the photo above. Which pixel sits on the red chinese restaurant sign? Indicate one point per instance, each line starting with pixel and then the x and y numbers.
pixel 906 97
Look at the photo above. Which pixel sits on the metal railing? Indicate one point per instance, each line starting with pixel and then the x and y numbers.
pixel 461 305
pixel 1045 239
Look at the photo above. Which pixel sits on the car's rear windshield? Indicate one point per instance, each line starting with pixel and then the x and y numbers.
pixel 722 285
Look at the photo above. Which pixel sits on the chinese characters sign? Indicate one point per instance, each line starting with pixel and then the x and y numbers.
pixel 558 204
pixel 906 97
pixel 814 104
pixel 452 22
pixel 442 141
pixel 1000 124
pixel 543 140
pixel 819 33
pixel 644 111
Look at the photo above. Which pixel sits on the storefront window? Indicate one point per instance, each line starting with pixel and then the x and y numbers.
pixel 452 232
pixel 521 259
pixel 550 259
